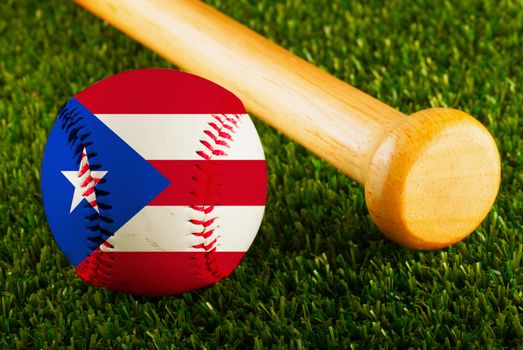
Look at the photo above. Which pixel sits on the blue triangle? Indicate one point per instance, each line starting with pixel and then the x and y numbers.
pixel 129 185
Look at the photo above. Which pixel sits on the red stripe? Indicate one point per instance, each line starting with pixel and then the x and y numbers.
pixel 212 182
pixel 157 273
pixel 158 91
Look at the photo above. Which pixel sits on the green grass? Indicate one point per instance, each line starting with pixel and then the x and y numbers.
pixel 319 274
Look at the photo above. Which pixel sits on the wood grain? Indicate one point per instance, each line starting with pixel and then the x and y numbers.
pixel 430 178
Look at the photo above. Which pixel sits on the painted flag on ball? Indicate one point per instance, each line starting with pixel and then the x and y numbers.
pixel 154 182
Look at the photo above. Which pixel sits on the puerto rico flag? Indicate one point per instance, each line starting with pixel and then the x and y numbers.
pixel 154 182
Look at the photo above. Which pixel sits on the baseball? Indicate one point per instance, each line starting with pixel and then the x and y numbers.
pixel 154 182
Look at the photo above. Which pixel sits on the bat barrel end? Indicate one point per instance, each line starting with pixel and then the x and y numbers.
pixel 433 179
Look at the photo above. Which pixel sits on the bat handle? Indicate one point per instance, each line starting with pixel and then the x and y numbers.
pixel 430 178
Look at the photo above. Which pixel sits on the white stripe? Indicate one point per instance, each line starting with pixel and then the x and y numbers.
pixel 177 136
pixel 167 228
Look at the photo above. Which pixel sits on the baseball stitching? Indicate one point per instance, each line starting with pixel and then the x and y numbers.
pixel 215 141
pixel 97 267
pixel 87 181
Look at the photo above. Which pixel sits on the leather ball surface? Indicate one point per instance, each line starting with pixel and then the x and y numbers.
pixel 154 182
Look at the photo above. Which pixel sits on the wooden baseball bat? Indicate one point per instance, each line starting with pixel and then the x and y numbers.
pixel 430 178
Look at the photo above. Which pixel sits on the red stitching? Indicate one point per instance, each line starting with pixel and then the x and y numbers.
pixel 224 137
pixel 89 183
pixel 202 208
pixel 207 247
pixel 204 234
pixel 87 180
pixel 204 223
pixel 84 168
pixel 88 191
pixel 207 145
pixel 203 155
pixel 220 133
pixel 225 123
pixel 218 152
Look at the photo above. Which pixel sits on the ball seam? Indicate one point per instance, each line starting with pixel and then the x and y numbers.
pixel 96 267
pixel 216 138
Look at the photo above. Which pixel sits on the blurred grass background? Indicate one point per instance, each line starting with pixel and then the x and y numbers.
pixel 319 274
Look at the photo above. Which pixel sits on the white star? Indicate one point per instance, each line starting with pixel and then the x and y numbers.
pixel 84 180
